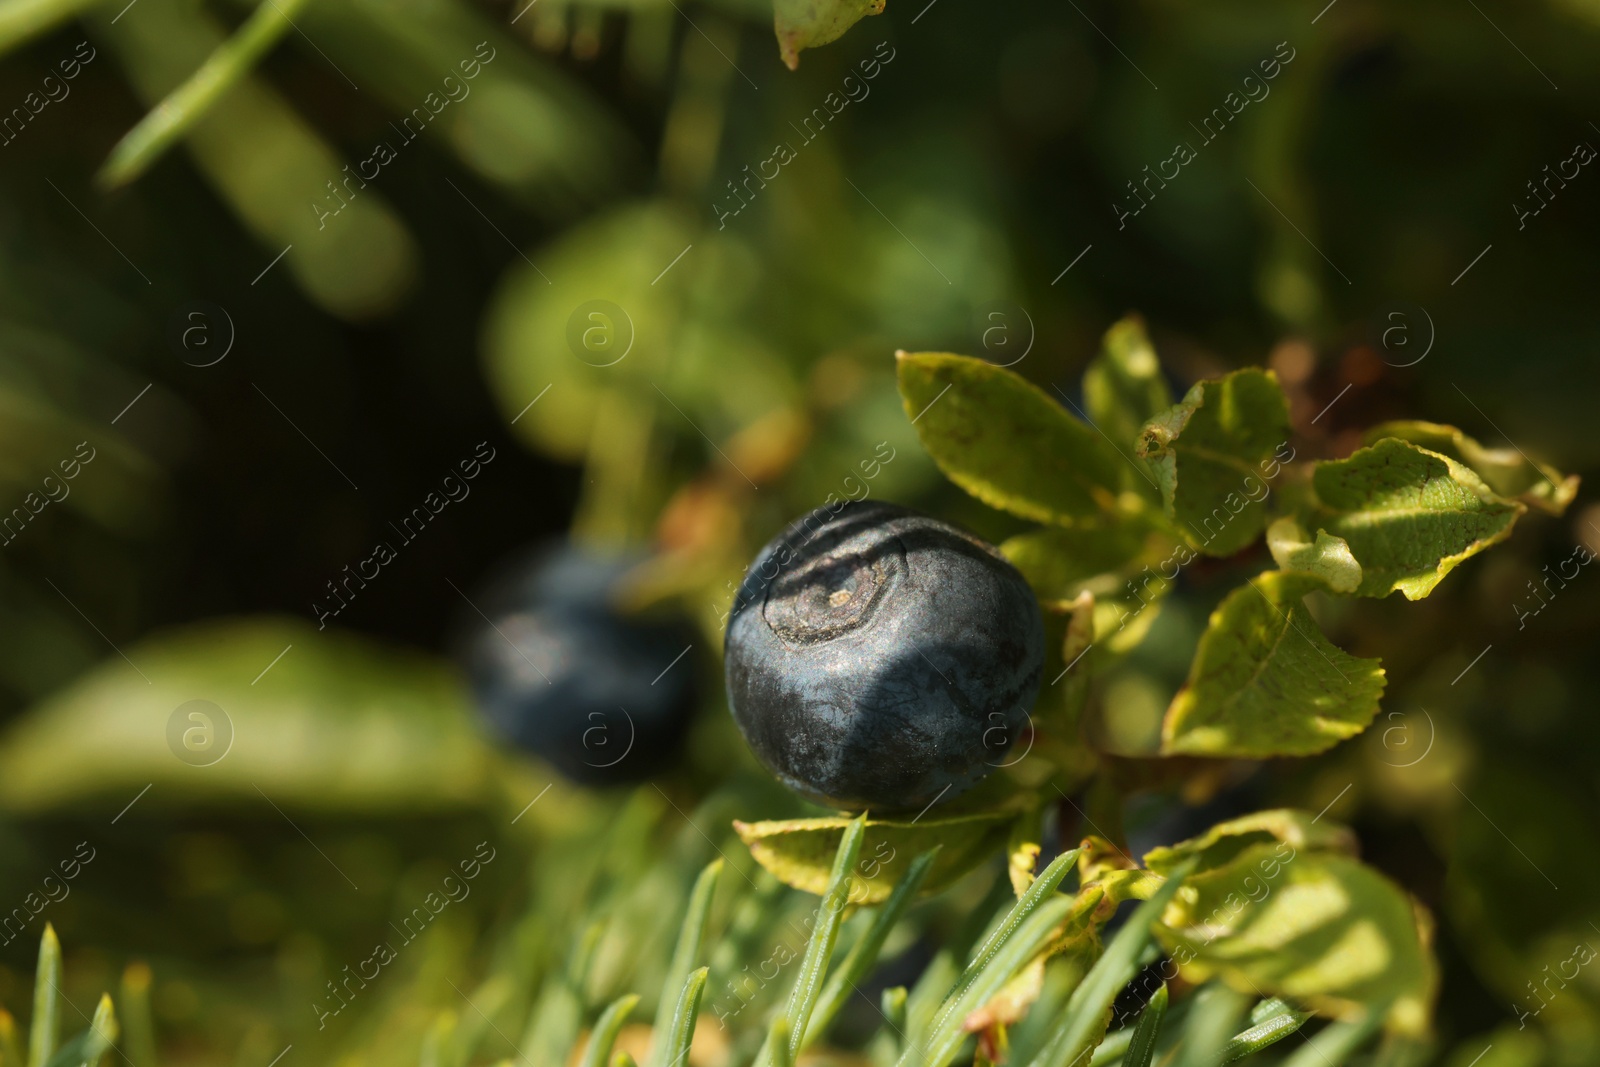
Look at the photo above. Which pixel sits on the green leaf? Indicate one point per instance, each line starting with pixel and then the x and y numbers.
pixel 1266 682
pixel 1059 562
pixel 995 965
pixel 1337 1043
pixel 1088 1013
pixel 1123 389
pixel 1270 1022
pixel 1003 440
pixel 338 723
pixel 685 953
pixel 819 949
pixel 1409 515
pixel 853 969
pixel 1317 927
pixel 89 1048
pixel 46 1000
pixel 1328 557
pixel 1216 1011
pixel 1216 454
pixel 678 1038
pixel 604 1034
pixel 1505 470
pixel 800 851
pixel 802 24
pixel 1142 1046
pixel 184 106
pixel 1223 843
pixel 778 1041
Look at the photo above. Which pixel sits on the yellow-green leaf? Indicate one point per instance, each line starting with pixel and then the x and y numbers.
pixel 1408 515
pixel 1505 470
pixel 1266 682
pixel 1123 389
pixel 1004 440
pixel 802 24
pixel 1223 842
pixel 1215 455
pixel 1317 927
pixel 1327 557
pixel 235 710
pixel 800 852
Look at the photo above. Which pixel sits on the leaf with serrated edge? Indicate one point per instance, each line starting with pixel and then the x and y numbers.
pixel 1215 455
pixel 799 852
pixel 1327 557
pixel 1505 470
pixel 1123 389
pixel 1266 682
pixel 802 24
pixel 1005 441
pixel 1220 844
pixel 1318 927
pixel 1409 515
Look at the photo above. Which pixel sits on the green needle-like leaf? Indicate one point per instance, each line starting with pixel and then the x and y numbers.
pixel 861 957
pixel 983 981
pixel 1217 1010
pixel 684 955
pixel 604 1034
pixel 819 950
pixel 1142 1046
pixel 980 972
pixel 222 70
pixel 681 1033
pixel 90 1047
pixel 46 986
pixel 778 1041
pixel 1333 1046
pixel 1089 1009
pixel 1268 1027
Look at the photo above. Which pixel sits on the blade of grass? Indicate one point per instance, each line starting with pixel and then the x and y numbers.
pixel 1089 1010
pixel 161 127
pixel 1333 1046
pixel 1269 1027
pixel 684 955
pixel 90 1046
pixel 47 979
pixel 1142 1046
pixel 778 1041
pixel 139 1026
pixel 23 20
pixel 808 983
pixel 683 1018
pixel 1217 1011
pixel 853 969
pixel 1042 889
pixel 604 1034
pixel 949 1030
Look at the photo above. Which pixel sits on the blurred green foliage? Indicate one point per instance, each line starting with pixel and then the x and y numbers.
pixel 598 156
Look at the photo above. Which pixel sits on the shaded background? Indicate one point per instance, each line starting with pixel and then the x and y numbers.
pixel 1358 229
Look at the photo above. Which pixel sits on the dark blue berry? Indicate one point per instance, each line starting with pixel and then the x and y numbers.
pixel 560 671
pixel 882 659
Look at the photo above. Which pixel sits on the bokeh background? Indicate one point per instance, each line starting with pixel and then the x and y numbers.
pixel 271 364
